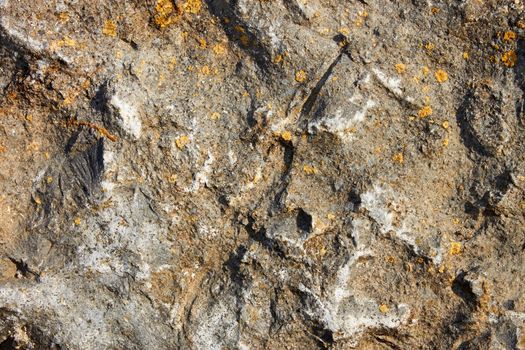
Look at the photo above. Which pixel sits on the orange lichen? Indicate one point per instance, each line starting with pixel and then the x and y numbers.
pixel 219 49
pixel 63 16
pixel 202 43
pixel 435 10
pixel 172 179
pixel 398 158
pixel 277 59
pixel 286 136
pixel 205 70
pixel 109 28
pixel 424 112
pixel 345 31
pixel 400 68
pixel 441 76
pixel 37 200
pixel 455 248
pixel 445 124
pixel 425 70
pixel 182 141
pixel 509 36
pixel 215 116
pixel 172 63
pixel 445 142
pixel 466 55
pixel 308 169
pixel 77 221
pixel 300 76
pixel 509 58
pixel 430 46
pixel 49 179
pixel 165 12
pixel 192 6
pixel 383 308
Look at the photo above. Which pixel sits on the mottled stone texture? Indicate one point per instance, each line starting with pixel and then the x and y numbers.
pixel 262 174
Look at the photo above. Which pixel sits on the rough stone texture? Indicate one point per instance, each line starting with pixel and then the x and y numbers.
pixel 249 174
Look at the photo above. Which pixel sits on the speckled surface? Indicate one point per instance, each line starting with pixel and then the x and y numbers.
pixel 277 174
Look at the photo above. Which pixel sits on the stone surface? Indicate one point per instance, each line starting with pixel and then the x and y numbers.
pixel 262 174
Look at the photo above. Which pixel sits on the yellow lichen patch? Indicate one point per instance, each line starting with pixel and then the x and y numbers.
pixel 29 118
pixel 445 124
pixel 219 49
pixel 308 169
pixel 441 76
pixel 398 158
pixel 425 112
pixel 509 58
pixel 277 59
pixel 445 142
pixel 345 31
pixel 430 46
pixel 49 179
pixel 425 70
pixel 192 6
pixel 77 221
pixel 383 308
pixel 109 28
pixel 435 10
pixel 164 11
pixel 202 43
pixel 172 178
pixel 182 141
pixel 215 116
pixel 63 16
pixel 172 64
pixel 286 136
pixel 205 70
pixel 300 76
pixel 400 68
pixel 37 200
pixel 455 248
pixel 466 55
pixel 509 36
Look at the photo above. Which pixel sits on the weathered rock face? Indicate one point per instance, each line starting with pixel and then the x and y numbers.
pixel 262 174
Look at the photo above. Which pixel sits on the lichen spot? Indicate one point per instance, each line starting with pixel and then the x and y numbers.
pixel 300 76
pixel 425 112
pixel 309 170
pixel 383 308
pixel 164 9
pixel 455 248
pixel 182 141
pixel 109 28
pixel 509 58
pixel 400 68
pixel 509 36
pixel 441 76
pixel 398 158
pixel 193 6
pixel 286 136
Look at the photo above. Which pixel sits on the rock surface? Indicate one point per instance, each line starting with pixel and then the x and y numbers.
pixel 262 174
